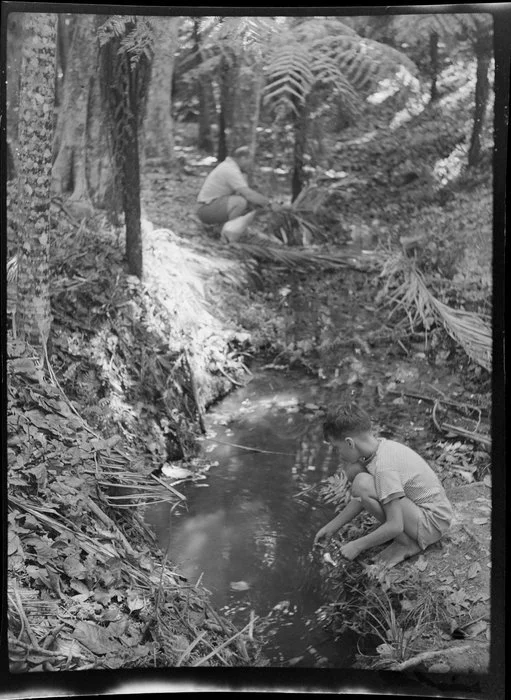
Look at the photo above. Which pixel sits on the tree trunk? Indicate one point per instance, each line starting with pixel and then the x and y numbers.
pixel 300 143
pixel 158 127
pixel 483 54
pixel 104 192
pixel 37 95
pixel 69 168
pixel 246 106
pixel 433 57
pixel 65 27
pixel 205 95
pixel 228 81
pixel 125 92
pixel 13 71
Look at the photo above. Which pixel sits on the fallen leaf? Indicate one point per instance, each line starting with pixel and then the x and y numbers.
pixel 174 472
pixel 73 567
pixel 239 586
pixel 474 569
pixel 477 628
pixel 480 521
pixel 385 650
pixel 439 667
pixel 421 563
pixel 487 481
pixel 93 637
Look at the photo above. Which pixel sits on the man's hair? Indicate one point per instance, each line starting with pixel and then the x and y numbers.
pixel 241 152
pixel 345 420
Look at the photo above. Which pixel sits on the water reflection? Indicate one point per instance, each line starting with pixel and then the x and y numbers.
pixel 245 535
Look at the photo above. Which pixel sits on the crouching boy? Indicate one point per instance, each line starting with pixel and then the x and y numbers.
pixel 390 481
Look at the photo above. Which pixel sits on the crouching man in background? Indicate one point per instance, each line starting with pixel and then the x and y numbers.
pixel 225 194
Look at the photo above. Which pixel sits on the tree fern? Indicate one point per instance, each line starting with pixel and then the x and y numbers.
pixel 312 54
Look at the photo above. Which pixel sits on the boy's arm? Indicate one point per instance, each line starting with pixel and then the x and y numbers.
pixel 392 527
pixel 345 516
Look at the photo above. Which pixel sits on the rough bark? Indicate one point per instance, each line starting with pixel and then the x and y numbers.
pixel 125 91
pixel 69 168
pixel 158 127
pixel 99 156
pixel 37 94
pixel 13 71
pixel 482 48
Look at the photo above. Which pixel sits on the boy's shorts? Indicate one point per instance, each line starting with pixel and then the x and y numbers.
pixel 435 521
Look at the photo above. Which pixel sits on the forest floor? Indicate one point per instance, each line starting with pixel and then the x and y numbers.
pixel 133 367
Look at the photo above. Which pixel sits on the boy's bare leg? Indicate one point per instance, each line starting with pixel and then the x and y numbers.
pixel 404 545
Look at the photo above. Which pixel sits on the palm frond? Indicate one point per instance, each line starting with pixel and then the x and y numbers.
pixel 470 330
pixel 12 270
pixel 298 258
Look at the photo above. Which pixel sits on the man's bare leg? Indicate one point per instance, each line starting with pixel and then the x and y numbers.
pixel 403 546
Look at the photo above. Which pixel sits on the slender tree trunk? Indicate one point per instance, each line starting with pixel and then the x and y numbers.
pixel 37 95
pixel 65 26
pixel 205 95
pixel 433 56
pixel 125 92
pixel 158 127
pixel 300 134
pixel 69 168
pixel 246 106
pixel 228 80
pixel 483 55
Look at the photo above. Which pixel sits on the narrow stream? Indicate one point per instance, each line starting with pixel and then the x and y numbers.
pixel 245 534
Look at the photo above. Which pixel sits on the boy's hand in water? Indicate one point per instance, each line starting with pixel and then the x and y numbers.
pixel 324 535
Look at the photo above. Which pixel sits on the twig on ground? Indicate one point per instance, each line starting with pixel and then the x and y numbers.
pixel 226 643
pixel 169 487
pixel 195 394
pixel 250 449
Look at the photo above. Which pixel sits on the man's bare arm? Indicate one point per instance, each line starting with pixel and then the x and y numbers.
pixel 253 196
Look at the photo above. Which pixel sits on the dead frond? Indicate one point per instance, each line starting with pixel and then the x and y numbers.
pixel 470 330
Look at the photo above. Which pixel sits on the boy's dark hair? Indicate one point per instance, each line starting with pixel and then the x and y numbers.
pixel 345 420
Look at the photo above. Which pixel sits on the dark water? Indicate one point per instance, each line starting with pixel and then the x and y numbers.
pixel 247 533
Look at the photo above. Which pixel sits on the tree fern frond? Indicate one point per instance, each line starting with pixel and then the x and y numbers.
pixel 114 27
pixel 289 75
pixel 464 24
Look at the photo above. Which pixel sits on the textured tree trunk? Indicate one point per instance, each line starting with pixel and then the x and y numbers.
pixel 125 92
pixel 246 107
pixel 158 127
pixel 101 179
pixel 37 95
pixel 433 57
pixel 483 55
pixel 65 27
pixel 228 81
pixel 13 71
pixel 206 99
pixel 69 168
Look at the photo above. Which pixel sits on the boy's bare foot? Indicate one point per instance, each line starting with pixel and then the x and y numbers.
pixel 397 552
